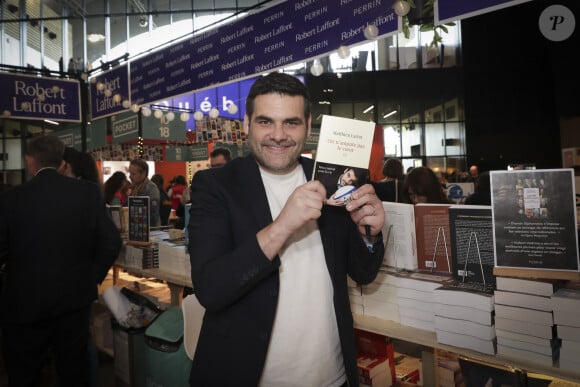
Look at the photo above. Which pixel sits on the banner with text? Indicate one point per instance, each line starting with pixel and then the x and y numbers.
pixel 276 37
pixel 108 91
pixel 36 98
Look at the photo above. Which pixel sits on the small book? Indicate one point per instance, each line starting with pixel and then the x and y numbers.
pixel 342 156
pixel 454 295
pixel 538 287
pixel 523 300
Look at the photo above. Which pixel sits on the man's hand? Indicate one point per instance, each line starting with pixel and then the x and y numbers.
pixel 303 205
pixel 366 209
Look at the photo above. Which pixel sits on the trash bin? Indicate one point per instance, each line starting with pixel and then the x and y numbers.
pixel 128 347
pixel 165 361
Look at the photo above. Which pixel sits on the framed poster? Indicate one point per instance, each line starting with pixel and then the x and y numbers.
pixel 139 220
pixel 534 222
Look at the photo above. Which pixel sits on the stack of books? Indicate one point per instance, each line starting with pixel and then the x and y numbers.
pixel 379 298
pixel 375 359
pixel 415 298
pixel 464 316
pixel 355 296
pixel 142 257
pixel 566 307
pixel 524 322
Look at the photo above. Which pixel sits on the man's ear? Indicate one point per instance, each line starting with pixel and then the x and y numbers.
pixel 246 124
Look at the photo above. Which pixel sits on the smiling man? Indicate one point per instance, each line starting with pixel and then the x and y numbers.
pixel 269 261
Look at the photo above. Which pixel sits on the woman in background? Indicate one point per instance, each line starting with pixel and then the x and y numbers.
pixel 390 189
pixel 165 201
pixel 80 165
pixel 116 189
pixel 423 186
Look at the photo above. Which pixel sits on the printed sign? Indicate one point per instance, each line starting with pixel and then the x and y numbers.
pixel 108 91
pixel 36 98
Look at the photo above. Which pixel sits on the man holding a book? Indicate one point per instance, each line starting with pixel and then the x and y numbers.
pixel 270 261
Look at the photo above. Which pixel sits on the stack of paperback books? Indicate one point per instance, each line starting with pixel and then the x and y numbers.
pixel 379 298
pixel 375 359
pixel 464 316
pixel 524 322
pixel 566 306
pixel 415 298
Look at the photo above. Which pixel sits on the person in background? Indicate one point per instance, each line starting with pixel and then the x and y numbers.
pixel 482 192
pixel 142 186
pixel 177 191
pixel 116 189
pixel 219 157
pixel 52 272
pixel 473 173
pixel 423 186
pixel 390 189
pixel 269 261
pixel 80 165
pixel 165 201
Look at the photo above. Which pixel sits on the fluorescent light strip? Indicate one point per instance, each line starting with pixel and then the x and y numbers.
pixel 390 114
pixel 51 122
pixel 369 109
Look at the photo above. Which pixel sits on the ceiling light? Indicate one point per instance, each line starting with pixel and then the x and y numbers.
pixel 95 38
pixel 371 31
pixel 316 69
pixel 401 7
pixel 51 122
pixel 343 52
pixel 390 114
pixel 143 21
pixel 369 109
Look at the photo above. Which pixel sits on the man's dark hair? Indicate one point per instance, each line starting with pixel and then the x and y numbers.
pixel 83 164
pixel 278 83
pixel 46 150
pixel 141 164
pixel 221 151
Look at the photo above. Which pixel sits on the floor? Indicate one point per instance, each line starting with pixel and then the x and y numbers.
pixel 102 333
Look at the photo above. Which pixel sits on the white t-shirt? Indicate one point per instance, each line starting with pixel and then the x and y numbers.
pixel 304 348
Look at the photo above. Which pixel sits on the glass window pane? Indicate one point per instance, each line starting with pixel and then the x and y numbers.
pixel 96 29
pixel 392 140
pixel 411 139
pixel 341 109
pixel 434 139
pixel 454 141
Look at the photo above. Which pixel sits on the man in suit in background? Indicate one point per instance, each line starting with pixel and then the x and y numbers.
pixel 269 261
pixel 58 242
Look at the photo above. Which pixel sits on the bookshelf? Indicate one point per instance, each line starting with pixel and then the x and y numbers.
pixel 428 339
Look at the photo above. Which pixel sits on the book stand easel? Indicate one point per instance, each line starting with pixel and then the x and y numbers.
pixel 473 235
pixel 440 230
pixel 391 235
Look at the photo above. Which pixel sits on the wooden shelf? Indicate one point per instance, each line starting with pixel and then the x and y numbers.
pixel 429 339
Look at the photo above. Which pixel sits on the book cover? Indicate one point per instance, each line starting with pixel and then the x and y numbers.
pixel 433 237
pixel 534 216
pixel 523 300
pixel 342 156
pixel 471 233
pixel 399 236
pixel 538 287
